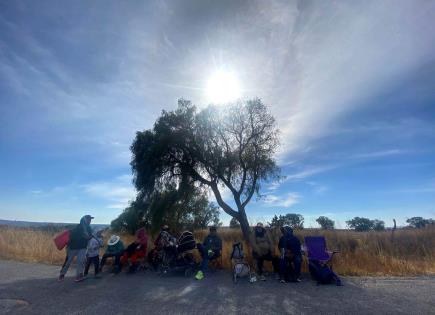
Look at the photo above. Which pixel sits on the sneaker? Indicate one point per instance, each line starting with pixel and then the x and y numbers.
pixel 298 280
pixel 282 280
pixel 61 278
pixel 262 278
pixel 199 275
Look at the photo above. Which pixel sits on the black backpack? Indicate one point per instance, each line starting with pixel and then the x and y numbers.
pixel 321 273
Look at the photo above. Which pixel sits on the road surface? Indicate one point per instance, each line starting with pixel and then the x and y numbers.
pixel 33 289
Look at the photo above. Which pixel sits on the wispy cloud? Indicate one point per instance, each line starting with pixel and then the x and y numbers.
pixel 286 200
pixel 117 193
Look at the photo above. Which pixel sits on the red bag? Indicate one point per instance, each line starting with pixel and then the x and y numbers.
pixel 61 240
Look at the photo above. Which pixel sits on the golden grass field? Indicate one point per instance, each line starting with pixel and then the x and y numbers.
pixel 407 252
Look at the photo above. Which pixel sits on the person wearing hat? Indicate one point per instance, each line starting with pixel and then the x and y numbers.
pixel 290 256
pixel 115 248
pixel 262 250
pixel 77 246
pixel 210 250
pixel 136 250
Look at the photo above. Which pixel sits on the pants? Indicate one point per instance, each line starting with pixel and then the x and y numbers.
pixel 268 257
pixel 138 254
pixel 290 268
pixel 117 260
pixel 81 258
pixel 205 257
pixel 93 260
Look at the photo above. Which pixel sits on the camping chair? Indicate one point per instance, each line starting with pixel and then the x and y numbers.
pixel 316 250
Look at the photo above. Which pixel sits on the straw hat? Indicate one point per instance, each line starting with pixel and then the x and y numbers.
pixel 113 240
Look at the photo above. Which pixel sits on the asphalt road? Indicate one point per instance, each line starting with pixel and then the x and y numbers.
pixel 33 289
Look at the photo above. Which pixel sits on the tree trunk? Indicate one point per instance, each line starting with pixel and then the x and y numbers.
pixel 244 225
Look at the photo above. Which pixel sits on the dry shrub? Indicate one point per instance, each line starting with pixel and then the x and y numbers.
pixel 406 252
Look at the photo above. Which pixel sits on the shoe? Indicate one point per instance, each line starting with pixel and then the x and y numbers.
pixel 262 278
pixel 199 275
pixel 282 280
pixel 61 278
pixel 80 278
pixel 298 280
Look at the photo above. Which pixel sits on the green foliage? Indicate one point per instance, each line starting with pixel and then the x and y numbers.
pixel 325 223
pixel 185 208
pixel 234 224
pixel 419 222
pixel 378 225
pixel 213 147
pixel 296 221
pixel 364 224
pixel 360 224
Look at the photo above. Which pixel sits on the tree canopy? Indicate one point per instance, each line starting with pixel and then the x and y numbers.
pixel 325 223
pixel 365 224
pixel 294 220
pixel 182 208
pixel 211 148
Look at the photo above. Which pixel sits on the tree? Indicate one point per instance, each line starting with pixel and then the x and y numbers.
pixel 182 208
pixel 325 223
pixel 378 225
pixel 418 222
pixel 295 221
pixel 234 224
pixel 360 224
pixel 230 147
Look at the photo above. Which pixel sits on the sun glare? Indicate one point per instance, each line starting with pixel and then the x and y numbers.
pixel 223 87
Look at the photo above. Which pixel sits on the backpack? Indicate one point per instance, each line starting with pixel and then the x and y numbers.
pixel 322 273
pixel 237 252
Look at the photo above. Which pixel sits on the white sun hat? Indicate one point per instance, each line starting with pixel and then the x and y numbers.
pixel 113 240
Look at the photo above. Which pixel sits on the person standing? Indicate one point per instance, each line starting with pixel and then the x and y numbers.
pixel 290 256
pixel 93 253
pixel 262 250
pixel 77 246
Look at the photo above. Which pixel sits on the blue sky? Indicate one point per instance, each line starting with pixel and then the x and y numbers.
pixel 352 85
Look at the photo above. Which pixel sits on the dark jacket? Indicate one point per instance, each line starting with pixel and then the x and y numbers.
pixel 213 242
pixel 291 244
pixel 80 235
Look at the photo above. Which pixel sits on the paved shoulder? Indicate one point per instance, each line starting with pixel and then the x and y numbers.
pixel 32 289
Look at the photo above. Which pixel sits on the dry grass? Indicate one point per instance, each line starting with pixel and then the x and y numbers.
pixel 408 252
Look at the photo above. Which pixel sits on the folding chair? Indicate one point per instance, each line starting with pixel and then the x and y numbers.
pixel 317 250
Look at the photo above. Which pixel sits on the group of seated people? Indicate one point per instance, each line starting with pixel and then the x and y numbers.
pixel 287 265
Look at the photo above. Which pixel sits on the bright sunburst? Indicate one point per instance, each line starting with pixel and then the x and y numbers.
pixel 223 87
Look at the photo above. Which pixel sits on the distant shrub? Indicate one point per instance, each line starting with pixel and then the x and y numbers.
pixel 325 223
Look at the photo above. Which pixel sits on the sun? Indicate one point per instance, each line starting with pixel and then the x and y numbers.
pixel 223 87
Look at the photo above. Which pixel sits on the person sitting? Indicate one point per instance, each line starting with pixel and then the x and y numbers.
pixel 93 253
pixel 136 250
pixel 210 250
pixel 164 242
pixel 290 256
pixel 262 250
pixel 115 248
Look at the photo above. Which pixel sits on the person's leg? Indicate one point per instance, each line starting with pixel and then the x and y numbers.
pixel 96 264
pixel 275 264
pixel 71 253
pixel 282 269
pixel 297 262
pixel 118 265
pixel 81 261
pixel 89 260
pixel 260 263
pixel 104 259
